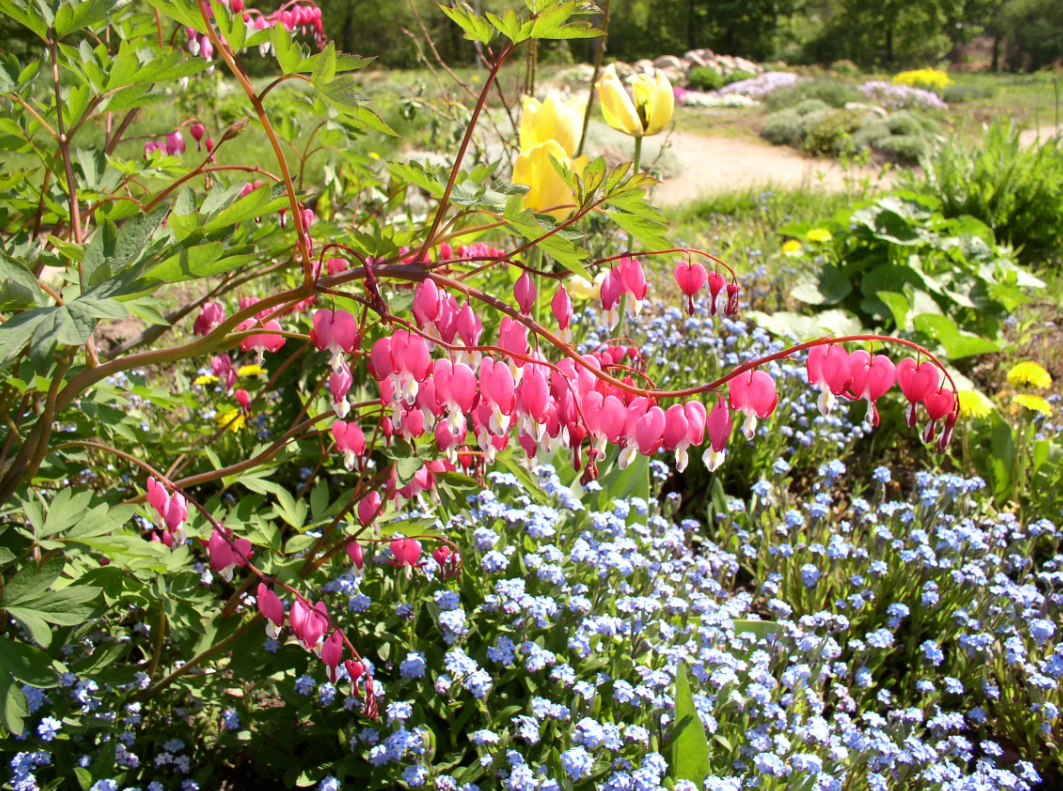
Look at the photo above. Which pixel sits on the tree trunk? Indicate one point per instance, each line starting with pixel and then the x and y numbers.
pixel 995 65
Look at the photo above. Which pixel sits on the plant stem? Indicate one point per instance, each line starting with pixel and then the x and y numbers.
pixel 598 56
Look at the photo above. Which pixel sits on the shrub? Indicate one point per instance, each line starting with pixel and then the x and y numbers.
pixel 783 128
pixel 908 149
pixel 829 132
pixel 870 136
pixel 738 75
pixel 810 106
pixel 898 97
pixel 911 124
pixel 1016 191
pixel 705 78
pixel 831 92
pixel 845 68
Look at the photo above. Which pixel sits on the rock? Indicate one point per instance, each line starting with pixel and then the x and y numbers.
pixel 675 76
pixel 695 58
pixel 644 66
pixel 741 64
pixel 669 62
pixel 867 108
pixel 725 63
pixel 624 70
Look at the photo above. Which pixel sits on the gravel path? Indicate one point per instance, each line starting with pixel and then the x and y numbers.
pixel 718 164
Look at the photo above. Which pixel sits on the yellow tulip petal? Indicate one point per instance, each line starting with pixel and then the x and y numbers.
pixel 617 107
pixel 547 189
pixel 528 128
pixel 660 111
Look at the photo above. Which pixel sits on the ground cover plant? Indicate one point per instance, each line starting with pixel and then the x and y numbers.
pixel 429 476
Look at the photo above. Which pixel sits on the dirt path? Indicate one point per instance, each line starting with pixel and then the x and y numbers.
pixel 717 164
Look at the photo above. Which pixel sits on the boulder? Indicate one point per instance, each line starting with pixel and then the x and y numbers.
pixel 741 64
pixel 675 76
pixel 624 70
pixel 644 66
pixel 695 58
pixel 725 63
pixel 669 62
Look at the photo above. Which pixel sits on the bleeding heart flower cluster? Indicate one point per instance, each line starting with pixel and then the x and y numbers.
pixel 172 514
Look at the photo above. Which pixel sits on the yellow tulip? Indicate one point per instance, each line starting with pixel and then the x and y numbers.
pixel 647 114
pixel 551 119
pixel 534 169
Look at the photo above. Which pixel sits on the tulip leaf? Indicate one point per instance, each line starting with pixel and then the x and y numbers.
pixel 957 343
pixel 689 746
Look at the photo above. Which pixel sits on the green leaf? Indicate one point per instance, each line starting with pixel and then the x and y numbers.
pixel 689 747
pixel 14 707
pixel 31 581
pixel 762 629
pixel 35 18
pixel 16 333
pixel 786 324
pixel 898 305
pixel 100 254
pixel 476 28
pixel 86 14
pixel 18 286
pixel 267 198
pixel 289 54
pixel 827 286
pixel 957 343
pixel 406 468
pixel 27 664
pixel 66 607
pixel 32 623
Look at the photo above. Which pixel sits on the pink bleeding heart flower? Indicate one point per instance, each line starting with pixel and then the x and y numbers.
pixel 226 552
pixel 406 551
pixel 446 560
pixel 211 314
pixel 243 399
pixel 335 331
pixel 561 305
pixel 332 655
pixel 271 607
pixel 649 431
pixel 917 382
pixel 732 299
pixel 525 293
pixel 719 428
pixel 336 265
pixel 355 553
pixel 175 143
pixel 496 388
pixel 634 280
pixel 206 48
pixel 716 285
pixel 369 508
pixel 427 303
pixel 684 426
pixel 222 367
pixel 197 130
pixel 829 371
pixel 309 623
pixel 149 147
pixel 872 379
pixel 339 385
pixel 157 497
pixel 261 342
pixel 946 433
pixel 611 291
pixel 938 405
pixel 513 337
pixel 753 394
pixel 350 441
pixel 175 516
pixel 690 277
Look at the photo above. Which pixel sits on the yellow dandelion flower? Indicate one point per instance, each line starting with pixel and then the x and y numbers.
pixel 205 379
pixel 374 155
pixel 792 248
pixel 819 235
pixel 233 420
pixel 1036 403
pixel 1029 373
pixel 250 370
pixel 974 404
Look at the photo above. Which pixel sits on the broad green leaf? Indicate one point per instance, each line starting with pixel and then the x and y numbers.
pixel 827 286
pixel 476 28
pixel 957 343
pixel 35 17
pixel 18 286
pixel 70 18
pixel 689 747
pixel 14 708
pixel 33 623
pixel 289 54
pixel 66 607
pixel 27 664
pixel 30 582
